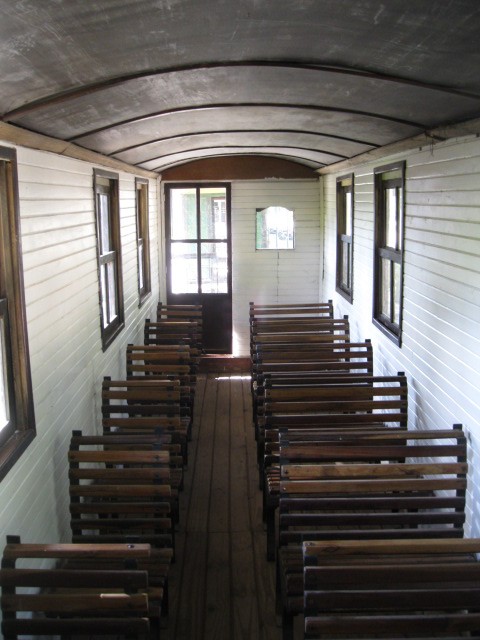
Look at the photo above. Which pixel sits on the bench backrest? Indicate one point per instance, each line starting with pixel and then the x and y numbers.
pixel 411 486
pixel 436 588
pixel 119 494
pixel 81 602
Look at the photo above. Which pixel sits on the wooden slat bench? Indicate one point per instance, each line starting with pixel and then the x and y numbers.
pixel 166 332
pixel 422 497
pixel 296 368
pixel 323 309
pixel 121 493
pixel 349 591
pixel 100 593
pixel 346 401
pixel 145 406
pixel 156 363
pixel 180 313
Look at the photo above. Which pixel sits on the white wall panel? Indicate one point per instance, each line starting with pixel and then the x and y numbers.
pixel 441 331
pixel 271 276
pixel 67 361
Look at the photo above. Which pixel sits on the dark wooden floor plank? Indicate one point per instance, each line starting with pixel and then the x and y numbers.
pixel 218 592
pixel 220 488
pixel 221 587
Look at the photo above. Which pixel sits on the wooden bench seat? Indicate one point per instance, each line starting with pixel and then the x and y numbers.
pixel 297 334
pixel 181 313
pixel 303 460
pixel 145 406
pixel 257 310
pixel 155 363
pixel 44 595
pixel 349 591
pixel 346 401
pixel 120 495
pixel 173 332
pixel 278 370
pixel 423 497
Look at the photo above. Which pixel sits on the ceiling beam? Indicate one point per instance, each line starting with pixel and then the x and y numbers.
pixel 430 137
pixel 31 140
pixel 72 94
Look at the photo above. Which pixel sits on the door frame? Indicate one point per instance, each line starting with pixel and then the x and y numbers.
pixel 189 298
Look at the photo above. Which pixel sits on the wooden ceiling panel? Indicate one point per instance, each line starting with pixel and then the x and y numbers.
pixel 148 81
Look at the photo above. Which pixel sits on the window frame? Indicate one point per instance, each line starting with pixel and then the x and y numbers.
pixel 109 330
pixel 343 239
pixel 382 251
pixel 261 210
pixel 21 430
pixel 143 239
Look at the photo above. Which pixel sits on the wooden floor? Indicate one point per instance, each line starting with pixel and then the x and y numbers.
pixel 221 586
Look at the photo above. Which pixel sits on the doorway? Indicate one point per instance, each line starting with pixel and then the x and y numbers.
pixel 198 252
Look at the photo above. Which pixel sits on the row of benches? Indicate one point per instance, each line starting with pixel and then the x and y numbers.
pixel 338 464
pixel 124 487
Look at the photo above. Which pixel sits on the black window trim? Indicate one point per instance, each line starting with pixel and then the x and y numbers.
pixel 111 331
pixel 143 292
pixel 342 238
pixel 23 429
pixel 384 324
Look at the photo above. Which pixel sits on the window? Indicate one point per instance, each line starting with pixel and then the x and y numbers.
pixel 109 255
pixel 17 421
pixel 344 277
pixel 388 263
pixel 143 242
pixel 274 228
pixel 198 239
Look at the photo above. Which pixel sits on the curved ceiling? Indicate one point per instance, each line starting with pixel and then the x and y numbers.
pixel 160 83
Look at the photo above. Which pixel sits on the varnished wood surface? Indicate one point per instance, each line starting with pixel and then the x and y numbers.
pixel 221 587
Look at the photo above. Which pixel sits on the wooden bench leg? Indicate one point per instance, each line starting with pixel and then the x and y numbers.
pixel 287 625
pixel 270 522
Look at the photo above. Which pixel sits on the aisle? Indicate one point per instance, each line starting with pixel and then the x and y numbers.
pixel 221 587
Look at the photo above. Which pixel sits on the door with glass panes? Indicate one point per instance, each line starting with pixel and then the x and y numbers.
pixel 199 256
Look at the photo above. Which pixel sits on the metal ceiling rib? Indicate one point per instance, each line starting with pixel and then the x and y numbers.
pixel 156 83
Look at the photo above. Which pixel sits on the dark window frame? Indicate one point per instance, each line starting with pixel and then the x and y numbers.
pixel 394 255
pixel 107 183
pixel 344 240
pixel 20 429
pixel 198 241
pixel 143 239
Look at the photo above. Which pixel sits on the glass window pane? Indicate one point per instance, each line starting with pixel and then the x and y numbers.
pixel 391 218
pixel 141 282
pixel 184 267
pixel 103 291
pixel 275 228
pixel 112 296
pixel 103 208
pixel 213 213
pixel 397 294
pixel 348 213
pixel 183 214
pixel 345 279
pixel 214 267
pixel 4 403
pixel 385 288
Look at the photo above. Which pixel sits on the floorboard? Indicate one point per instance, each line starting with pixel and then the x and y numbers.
pixel 221 587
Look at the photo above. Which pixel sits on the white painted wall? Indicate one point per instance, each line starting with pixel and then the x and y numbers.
pixel 67 362
pixel 441 328
pixel 269 276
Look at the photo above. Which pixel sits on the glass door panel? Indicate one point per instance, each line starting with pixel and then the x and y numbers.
pixel 199 258
pixel 214 267
pixel 184 267
pixel 183 218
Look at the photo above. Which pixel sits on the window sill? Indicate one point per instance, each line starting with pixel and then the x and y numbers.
pixel 13 449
